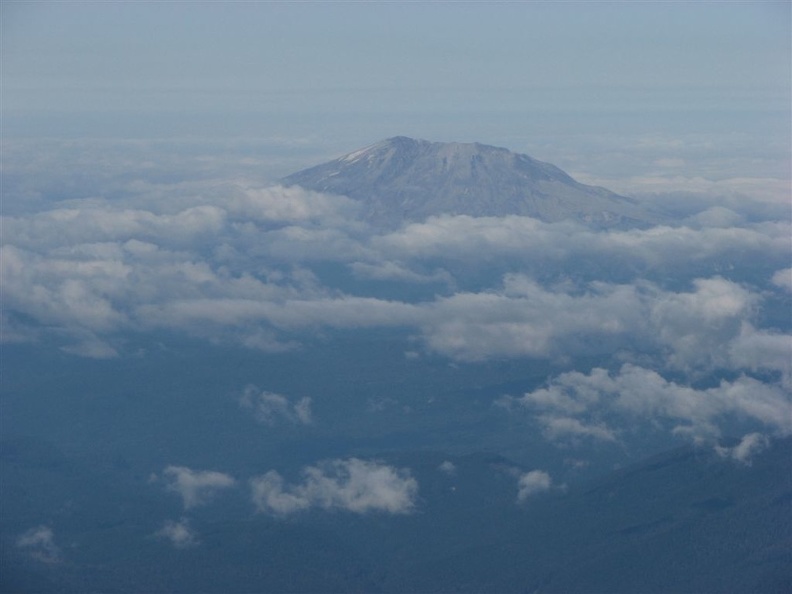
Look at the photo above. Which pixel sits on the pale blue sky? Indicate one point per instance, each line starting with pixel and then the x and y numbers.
pixel 224 55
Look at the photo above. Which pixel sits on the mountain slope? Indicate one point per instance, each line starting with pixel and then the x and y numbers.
pixel 403 179
pixel 682 521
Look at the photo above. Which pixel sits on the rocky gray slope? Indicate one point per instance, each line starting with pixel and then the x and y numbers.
pixel 402 179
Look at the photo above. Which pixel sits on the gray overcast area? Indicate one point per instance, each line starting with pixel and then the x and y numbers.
pixel 396 297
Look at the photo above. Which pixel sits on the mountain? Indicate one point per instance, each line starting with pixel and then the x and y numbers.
pixel 404 179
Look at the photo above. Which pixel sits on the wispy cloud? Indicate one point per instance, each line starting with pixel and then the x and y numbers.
pixel 180 534
pixel 195 487
pixel 448 467
pixel 39 543
pixel 749 446
pixel 269 407
pixel 561 428
pixel 353 485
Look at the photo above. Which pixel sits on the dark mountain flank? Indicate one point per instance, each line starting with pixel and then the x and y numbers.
pixel 402 179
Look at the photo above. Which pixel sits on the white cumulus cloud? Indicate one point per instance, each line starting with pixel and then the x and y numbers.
pixel 180 534
pixel 353 485
pixel 532 483
pixel 638 393
pixel 196 487
pixel 697 326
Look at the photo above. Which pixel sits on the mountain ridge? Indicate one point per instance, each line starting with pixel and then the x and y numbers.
pixel 402 179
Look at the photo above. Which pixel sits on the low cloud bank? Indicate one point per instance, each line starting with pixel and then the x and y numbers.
pixel 239 266
pixel 270 268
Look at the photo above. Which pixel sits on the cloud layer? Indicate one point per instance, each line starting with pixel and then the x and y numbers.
pixel 87 274
pixel 232 261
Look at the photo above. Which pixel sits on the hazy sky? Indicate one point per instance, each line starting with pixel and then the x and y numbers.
pixel 152 56
pixel 571 82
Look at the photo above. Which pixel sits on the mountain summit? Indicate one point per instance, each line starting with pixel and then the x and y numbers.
pixel 404 179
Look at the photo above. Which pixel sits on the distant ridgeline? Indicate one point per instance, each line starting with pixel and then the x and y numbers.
pixel 402 179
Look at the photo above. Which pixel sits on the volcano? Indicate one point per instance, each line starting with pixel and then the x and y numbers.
pixel 402 180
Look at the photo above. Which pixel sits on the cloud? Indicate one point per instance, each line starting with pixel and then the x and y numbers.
pixel 448 467
pixel 180 534
pixel 525 319
pixel 294 204
pixel 768 190
pixel 763 350
pixel 270 495
pixel 636 393
pixel 196 487
pixel 532 483
pixel 232 262
pixel 749 446
pixel 557 428
pixel 247 321
pixel 89 292
pixel 296 243
pixel 783 279
pixel 87 344
pixel 716 216
pixel 395 271
pixel 685 330
pixel 99 222
pixel 467 239
pixel 59 291
pixel 352 485
pixel 463 236
pixel 39 542
pixel 697 326
pixel 269 407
